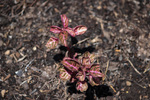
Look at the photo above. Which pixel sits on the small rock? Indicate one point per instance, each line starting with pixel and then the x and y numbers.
pixel 25 86
pixel 99 7
pixel 3 93
pixel 34 48
pixel 17 54
pixel 123 89
pixel 70 20
pixel 7 52
pixel 120 58
pixel 19 73
pixel 1 43
pixel 128 83
pixel 45 74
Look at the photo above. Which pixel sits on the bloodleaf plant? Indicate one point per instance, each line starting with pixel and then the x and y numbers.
pixel 64 32
pixel 82 69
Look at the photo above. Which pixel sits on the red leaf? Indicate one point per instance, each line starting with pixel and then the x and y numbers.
pixel 94 81
pixel 80 30
pixel 63 36
pixel 55 29
pixel 81 86
pixel 95 71
pixel 91 56
pixel 70 31
pixel 64 20
pixel 80 75
pixel 86 62
pixel 64 75
pixel 70 64
pixel 52 43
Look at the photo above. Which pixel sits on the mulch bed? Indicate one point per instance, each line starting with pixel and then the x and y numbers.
pixel 118 33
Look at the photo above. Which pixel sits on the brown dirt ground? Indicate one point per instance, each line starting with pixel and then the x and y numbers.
pixel 118 33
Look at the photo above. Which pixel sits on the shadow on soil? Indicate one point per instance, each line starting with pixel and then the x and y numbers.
pixel 99 91
pixel 59 57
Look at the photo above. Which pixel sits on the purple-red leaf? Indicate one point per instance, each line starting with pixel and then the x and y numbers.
pixel 86 62
pixel 64 75
pixel 79 30
pixel 94 81
pixel 70 31
pixel 64 20
pixel 71 64
pixel 63 36
pixel 95 71
pixel 55 29
pixel 81 86
pixel 80 75
pixel 91 56
pixel 52 43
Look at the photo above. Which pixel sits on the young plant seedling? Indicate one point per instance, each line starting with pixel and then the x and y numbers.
pixel 81 70
pixel 64 32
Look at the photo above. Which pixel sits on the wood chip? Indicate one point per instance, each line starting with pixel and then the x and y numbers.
pixel 3 93
pixel 128 83
pixel 7 77
pixel 7 52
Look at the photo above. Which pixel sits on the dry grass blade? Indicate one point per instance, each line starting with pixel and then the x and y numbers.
pixel 106 70
pixel 81 41
pixel 133 67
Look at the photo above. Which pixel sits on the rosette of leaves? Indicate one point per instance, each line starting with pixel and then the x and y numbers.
pixel 81 70
pixel 64 32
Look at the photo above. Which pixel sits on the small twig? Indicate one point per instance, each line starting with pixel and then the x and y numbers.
pixel 106 70
pixel 25 81
pixel 7 77
pixel 15 58
pixel 81 41
pixel 111 87
pixel 28 65
pixel 33 3
pixel 21 58
pixel 147 69
pixel 133 66
pixel 144 87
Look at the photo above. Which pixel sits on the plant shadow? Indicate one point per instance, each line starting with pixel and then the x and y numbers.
pixel 72 51
pixel 99 91
pixel 59 57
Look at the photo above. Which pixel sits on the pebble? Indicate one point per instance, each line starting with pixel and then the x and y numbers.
pixel 7 52
pixel 128 83
pixel 34 48
pixel 99 7
pixel 3 93
pixel 123 89
pixel 70 20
